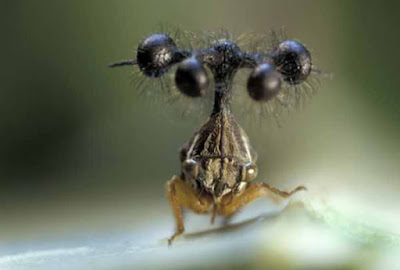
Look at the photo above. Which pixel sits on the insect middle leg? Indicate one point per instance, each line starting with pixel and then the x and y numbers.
pixel 179 194
pixel 252 193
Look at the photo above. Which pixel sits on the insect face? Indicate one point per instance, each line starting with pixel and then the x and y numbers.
pixel 218 176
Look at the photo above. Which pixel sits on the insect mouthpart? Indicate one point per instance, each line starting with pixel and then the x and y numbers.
pixel 220 188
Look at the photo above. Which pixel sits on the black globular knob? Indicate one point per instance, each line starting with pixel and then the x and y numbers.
pixel 155 54
pixel 264 82
pixel 293 61
pixel 191 78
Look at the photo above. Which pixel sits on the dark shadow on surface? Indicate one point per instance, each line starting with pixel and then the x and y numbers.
pixel 232 227
pixel 269 217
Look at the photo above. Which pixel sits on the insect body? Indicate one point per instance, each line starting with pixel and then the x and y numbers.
pixel 218 164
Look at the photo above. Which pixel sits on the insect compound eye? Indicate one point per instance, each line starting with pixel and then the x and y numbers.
pixel 293 61
pixel 264 82
pixel 190 168
pixel 155 54
pixel 250 172
pixel 191 78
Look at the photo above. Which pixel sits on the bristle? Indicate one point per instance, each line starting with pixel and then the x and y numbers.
pixel 130 62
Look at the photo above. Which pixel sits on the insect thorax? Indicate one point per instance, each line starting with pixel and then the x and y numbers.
pixel 216 158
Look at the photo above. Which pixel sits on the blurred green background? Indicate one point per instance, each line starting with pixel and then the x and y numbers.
pixel 80 152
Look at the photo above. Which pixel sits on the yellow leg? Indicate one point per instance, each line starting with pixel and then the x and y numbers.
pixel 180 194
pixel 252 193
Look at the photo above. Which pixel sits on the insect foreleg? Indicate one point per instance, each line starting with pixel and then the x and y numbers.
pixel 180 194
pixel 252 193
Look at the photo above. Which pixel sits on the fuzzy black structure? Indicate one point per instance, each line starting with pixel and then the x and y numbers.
pixel 289 81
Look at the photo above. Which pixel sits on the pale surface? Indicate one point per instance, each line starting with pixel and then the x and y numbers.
pixel 307 233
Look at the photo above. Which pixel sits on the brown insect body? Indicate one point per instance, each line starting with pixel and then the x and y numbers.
pixel 221 153
pixel 220 150
pixel 218 163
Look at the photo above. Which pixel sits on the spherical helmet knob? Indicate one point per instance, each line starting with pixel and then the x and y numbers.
pixel 191 78
pixel 155 54
pixel 293 61
pixel 264 82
